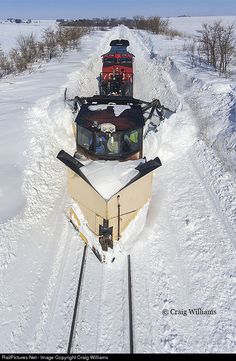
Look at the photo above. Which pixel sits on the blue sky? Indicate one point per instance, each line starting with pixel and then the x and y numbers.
pixel 72 9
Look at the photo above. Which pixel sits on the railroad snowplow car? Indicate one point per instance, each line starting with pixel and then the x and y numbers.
pixel 109 179
pixel 117 72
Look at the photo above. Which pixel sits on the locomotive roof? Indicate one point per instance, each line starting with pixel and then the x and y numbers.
pixel 119 42
pixel 119 47
pixel 122 114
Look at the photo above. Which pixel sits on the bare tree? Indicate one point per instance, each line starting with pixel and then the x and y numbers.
pixel 20 63
pixel 69 37
pixel 226 40
pixel 61 39
pixel 190 48
pixel 217 45
pixel 208 39
pixel 49 38
pixel 27 46
pixel 140 22
pixel 6 65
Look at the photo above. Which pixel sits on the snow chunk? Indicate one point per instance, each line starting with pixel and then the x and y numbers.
pixel 98 107
pixel 118 109
pixel 108 177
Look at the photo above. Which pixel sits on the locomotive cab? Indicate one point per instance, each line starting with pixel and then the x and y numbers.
pixel 117 71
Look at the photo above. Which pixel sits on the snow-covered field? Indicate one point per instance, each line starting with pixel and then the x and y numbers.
pixel 183 259
pixel 190 25
pixel 10 31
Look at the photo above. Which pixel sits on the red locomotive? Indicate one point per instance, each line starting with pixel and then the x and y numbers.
pixel 117 71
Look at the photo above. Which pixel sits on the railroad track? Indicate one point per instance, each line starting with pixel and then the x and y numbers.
pixel 74 323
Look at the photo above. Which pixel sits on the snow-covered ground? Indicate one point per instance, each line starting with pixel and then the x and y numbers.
pixel 184 257
pixel 190 25
pixel 9 32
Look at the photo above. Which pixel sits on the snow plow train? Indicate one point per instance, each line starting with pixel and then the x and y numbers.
pixel 109 179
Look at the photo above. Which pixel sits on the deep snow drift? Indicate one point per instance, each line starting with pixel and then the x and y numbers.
pixel 184 257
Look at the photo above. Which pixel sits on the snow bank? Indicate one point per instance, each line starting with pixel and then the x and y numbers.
pixel 213 103
pixel 34 122
pixel 211 99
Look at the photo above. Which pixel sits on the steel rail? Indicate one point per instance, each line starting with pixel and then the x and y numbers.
pixel 72 330
pixel 131 333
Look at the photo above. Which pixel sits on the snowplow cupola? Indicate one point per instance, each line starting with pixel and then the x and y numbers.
pixel 110 129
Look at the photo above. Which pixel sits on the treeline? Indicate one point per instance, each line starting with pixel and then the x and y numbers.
pixel 155 24
pixel 97 22
pixel 214 46
pixel 53 43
